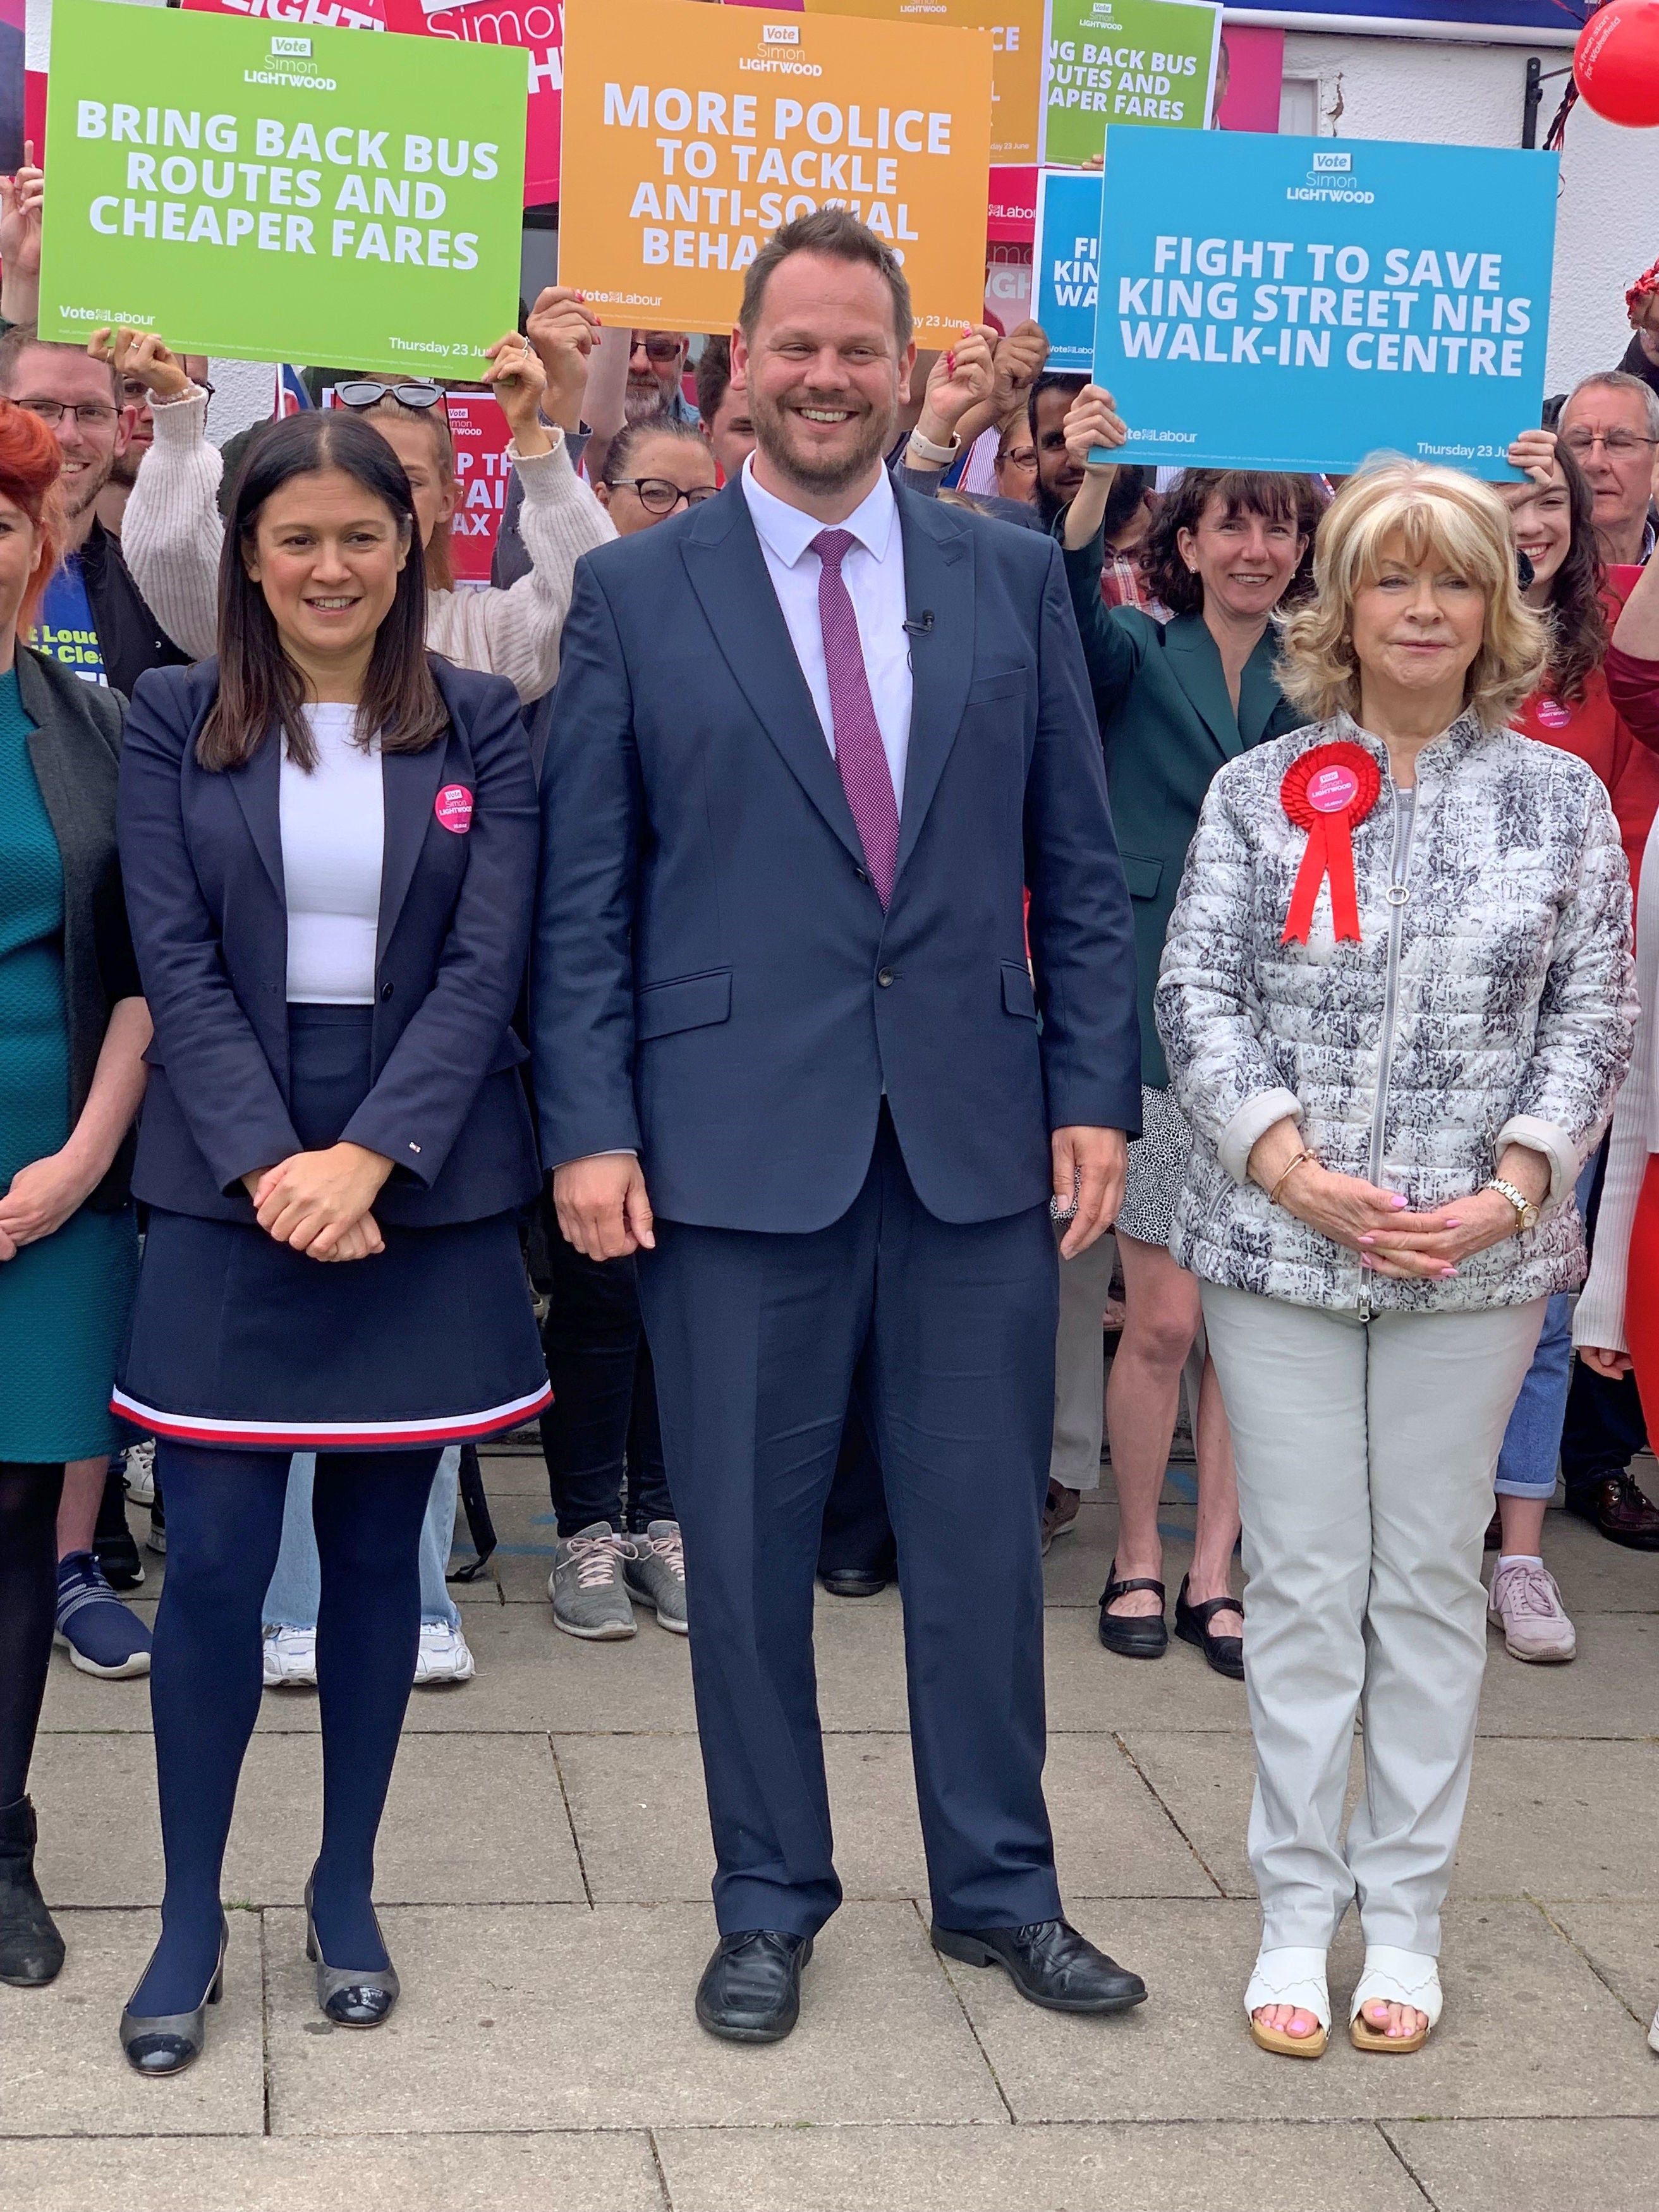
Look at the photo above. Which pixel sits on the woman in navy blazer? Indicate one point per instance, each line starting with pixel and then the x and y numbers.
pixel 329 840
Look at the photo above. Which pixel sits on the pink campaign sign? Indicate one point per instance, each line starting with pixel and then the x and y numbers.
pixel 454 808
pixel 538 26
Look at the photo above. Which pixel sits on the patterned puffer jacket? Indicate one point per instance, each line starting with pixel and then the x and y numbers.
pixel 1490 1001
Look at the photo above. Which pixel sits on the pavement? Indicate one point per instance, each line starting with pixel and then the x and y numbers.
pixel 543 1883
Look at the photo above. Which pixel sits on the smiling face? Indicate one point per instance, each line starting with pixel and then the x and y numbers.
pixel 20 551
pixel 1245 560
pixel 824 372
pixel 1058 475
pixel 1416 625
pixel 64 376
pixel 1542 517
pixel 326 555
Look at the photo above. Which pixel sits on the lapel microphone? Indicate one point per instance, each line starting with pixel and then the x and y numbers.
pixel 922 626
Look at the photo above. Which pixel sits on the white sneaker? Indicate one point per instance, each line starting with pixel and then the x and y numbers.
pixel 443 1655
pixel 138 1471
pixel 290 1657
pixel 1526 1604
pixel 1653 2033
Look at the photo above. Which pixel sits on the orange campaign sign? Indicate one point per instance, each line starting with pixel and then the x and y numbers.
pixel 691 134
pixel 1017 41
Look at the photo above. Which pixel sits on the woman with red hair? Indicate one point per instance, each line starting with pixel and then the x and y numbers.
pixel 73 1027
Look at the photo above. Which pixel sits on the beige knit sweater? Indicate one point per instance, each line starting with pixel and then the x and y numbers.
pixel 172 534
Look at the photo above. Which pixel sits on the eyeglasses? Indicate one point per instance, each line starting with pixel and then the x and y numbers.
pixel 1017 456
pixel 1617 444
pixel 98 414
pixel 136 391
pixel 656 495
pixel 658 350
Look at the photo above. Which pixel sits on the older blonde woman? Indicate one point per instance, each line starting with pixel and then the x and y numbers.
pixel 1396 1003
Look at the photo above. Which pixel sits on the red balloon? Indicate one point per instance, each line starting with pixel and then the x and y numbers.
pixel 1616 63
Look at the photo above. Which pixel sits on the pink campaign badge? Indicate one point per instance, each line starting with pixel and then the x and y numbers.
pixel 1552 714
pixel 454 808
pixel 1333 790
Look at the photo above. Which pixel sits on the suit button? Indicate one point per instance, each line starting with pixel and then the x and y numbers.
pixel 885 978
pixel 386 990
pixel 863 874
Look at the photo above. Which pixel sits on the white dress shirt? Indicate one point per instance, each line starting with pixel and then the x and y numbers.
pixel 873 571
pixel 333 824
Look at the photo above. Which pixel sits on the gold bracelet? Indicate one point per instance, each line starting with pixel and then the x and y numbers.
pixel 1300 1160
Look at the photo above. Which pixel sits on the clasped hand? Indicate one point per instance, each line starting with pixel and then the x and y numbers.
pixel 39 1200
pixel 318 1202
pixel 1389 1238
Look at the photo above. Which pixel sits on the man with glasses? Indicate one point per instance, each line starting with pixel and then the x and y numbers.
pixel 656 364
pixel 1610 425
pixel 135 393
pixel 93 618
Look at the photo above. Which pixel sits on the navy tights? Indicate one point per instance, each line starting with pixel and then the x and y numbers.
pixel 224 1529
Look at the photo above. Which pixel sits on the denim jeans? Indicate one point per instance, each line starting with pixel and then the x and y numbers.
pixel 1531 1441
pixel 295 1589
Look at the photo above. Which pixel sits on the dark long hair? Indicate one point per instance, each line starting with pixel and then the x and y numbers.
pixel 1246 491
pixel 260 686
pixel 1578 622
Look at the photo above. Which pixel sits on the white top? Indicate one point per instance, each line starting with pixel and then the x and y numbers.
pixel 333 836
pixel 874 574
pixel 1600 1319
pixel 170 534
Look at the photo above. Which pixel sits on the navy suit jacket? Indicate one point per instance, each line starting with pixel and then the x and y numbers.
pixel 715 984
pixel 202 859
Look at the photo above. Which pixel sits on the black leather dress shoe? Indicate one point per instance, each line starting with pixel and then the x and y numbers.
pixel 1048 1963
pixel 1620 1508
pixel 751 1989
pixel 1225 1653
pixel 853 1582
pixel 1132 1635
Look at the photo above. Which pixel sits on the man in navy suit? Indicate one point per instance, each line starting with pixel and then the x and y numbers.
pixel 811 742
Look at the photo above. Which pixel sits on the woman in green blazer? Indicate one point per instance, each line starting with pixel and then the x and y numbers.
pixel 1176 701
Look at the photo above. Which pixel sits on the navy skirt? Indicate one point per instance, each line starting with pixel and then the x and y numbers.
pixel 240 1341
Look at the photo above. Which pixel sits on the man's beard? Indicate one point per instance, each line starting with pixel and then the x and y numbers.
pixel 641 401
pixel 123 469
pixel 1049 504
pixel 83 494
pixel 771 422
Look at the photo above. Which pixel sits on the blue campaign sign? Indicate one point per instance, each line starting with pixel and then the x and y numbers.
pixel 1066 264
pixel 1298 303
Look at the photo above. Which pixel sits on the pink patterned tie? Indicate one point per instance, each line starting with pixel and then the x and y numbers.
pixel 859 754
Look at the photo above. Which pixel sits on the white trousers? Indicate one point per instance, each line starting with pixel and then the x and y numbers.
pixel 1365 1455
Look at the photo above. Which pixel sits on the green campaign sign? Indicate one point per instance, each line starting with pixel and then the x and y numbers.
pixel 1124 61
pixel 276 194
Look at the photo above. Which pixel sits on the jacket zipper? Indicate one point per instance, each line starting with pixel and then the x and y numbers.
pixel 1405 823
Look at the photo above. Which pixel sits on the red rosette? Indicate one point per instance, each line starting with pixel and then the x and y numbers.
pixel 1325 791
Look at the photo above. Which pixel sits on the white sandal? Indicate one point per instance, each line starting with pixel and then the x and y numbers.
pixel 1402 1977
pixel 1291 1976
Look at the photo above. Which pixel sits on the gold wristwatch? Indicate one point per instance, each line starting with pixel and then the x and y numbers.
pixel 1526 1213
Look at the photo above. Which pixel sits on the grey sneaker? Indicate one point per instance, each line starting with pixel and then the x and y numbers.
pixel 656 1574
pixel 590 1598
pixel 1525 1602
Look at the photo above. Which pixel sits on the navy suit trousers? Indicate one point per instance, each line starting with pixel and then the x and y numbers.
pixel 757 1337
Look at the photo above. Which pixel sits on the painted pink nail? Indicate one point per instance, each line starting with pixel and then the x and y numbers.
pixel 1368 1238
pixel 1397 1202
pixel 1452 1222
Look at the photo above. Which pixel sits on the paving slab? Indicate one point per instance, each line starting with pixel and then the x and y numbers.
pixel 1621 1943
pixel 1027 2169
pixel 1531 2166
pixel 77 1701
pixel 1094 1691
pixel 586 2172
pixel 560 2017
pixel 1596 1576
pixel 470 1820
pixel 1607 1691
pixel 1187 2055
pixel 62 2072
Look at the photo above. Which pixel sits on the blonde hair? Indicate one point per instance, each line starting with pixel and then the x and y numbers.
pixel 1440 511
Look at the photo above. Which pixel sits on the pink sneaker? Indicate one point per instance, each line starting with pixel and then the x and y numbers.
pixel 1526 1604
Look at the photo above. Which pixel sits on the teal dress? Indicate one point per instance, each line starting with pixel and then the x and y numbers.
pixel 63 1301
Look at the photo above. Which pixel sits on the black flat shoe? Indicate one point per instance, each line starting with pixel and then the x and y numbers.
pixel 853 1582
pixel 351 1997
pixel 1132 1636
pixel 1225 1653
pixel 31 1948
pixel 167 2042
pixel 1048 1963
pixel 751 1989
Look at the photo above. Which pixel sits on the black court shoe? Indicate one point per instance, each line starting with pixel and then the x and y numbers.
pixel 1225 1653
pixel 751 1989
pixel 167 2042
pixel 1050 1963
pixel 351 1997
pixel 1132 1636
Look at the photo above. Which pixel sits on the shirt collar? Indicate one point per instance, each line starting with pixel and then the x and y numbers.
pixel 787 533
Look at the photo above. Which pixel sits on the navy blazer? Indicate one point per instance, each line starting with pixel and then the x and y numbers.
pixel 202 859
pixel 715 982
